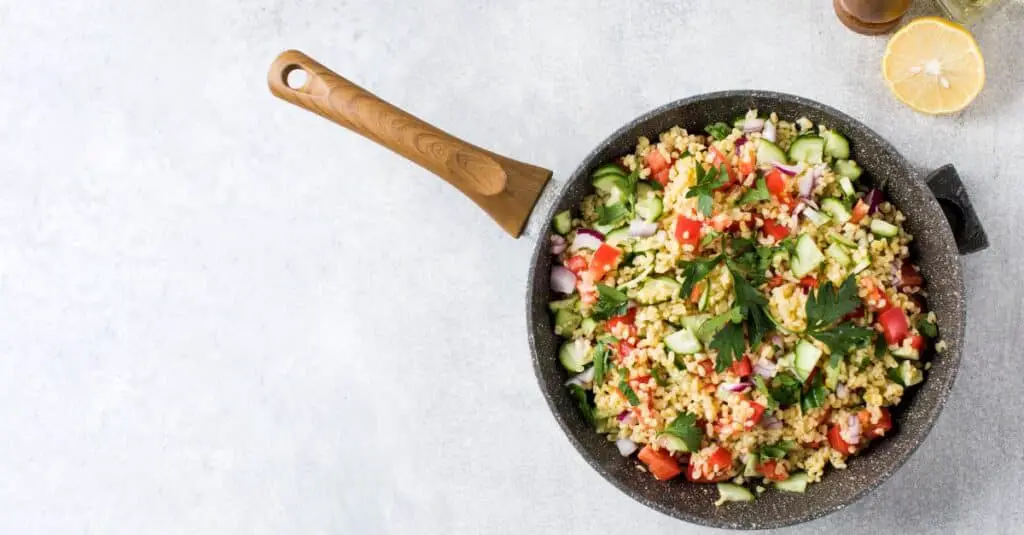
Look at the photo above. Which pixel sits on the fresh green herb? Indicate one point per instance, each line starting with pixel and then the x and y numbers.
pixel 894 375
pixel 757 193
pixel 927 328
pixel 718 131
pixel 740 245
pixel 777 450
pixel 610 302
pixel 707 182
pixel 752 304
pixel 709 238
pixel 685 427
pixel 694 272
pixel 785 389
pixel 843 337
pixel 611 215
pixel 600 363
pixel 881 346
pixel 730 344
pixel 584 404
pixel 834 359
pixel 628 391
pixel 762 387
pixel 660 376
pixel 712 325
pixel 815 395
pixel 828 305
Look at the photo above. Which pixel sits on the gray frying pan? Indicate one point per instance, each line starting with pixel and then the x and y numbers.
pixel 939 215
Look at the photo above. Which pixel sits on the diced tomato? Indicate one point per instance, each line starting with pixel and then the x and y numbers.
pixel 698 290
pixel 709 367
pixel 661 463
pixel 626 319
pixel 720 222
pixel 860 211
pixel 809 282
pixel 773 470
pixel 688 230
pixel 719 158
pixel 789 202
pixel 624 348
pixel 758 414
pixel 776 281
pixel 605 259
pixel 775 182
pixel 918 342
pixel 875 430
pixel 836 441
pixel 909 276
pixel 656 161
pixel 661 177
pixel 576 264
pixel 775 230
pixel 748 164
pixel 894 325
pixel 742 367
pixel 719 464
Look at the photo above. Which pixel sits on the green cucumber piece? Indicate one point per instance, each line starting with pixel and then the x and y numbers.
pixel 841 240
pixel 618 236
pixel 574 356
pixel 807 256
pixel 910 375
pixel 847 187
pixel 807 355
pixel 694 322
pixel 838 253
pixel 848 169
pixel 810 149
pixel 815 216
pixel 831 376
pixel 835 208
pixel 649 207
pixel 750 467
pixel 769 153
pixel 671 443
pixel 861 266
pixel 607 182
pixel 795 483
pixel 883 229
pixel 702 303
pixel 566 322
pixel 836 146
pixel 608 170
pixel 569 303
pixel 730 492
pixel 906 353
pixel 657 290
pixel 589 326
pixel 683 342
pixel 563 222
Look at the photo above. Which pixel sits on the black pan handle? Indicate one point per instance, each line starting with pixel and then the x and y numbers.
pixel 947 187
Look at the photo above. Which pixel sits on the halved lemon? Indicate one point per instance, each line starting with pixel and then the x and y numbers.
pixel 934 66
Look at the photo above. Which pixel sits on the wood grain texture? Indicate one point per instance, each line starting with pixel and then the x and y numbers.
pixel 506 189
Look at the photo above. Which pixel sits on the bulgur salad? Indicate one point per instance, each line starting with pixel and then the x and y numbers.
pixel 738 306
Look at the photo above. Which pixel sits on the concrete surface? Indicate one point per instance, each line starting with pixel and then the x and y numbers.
pixel 220 314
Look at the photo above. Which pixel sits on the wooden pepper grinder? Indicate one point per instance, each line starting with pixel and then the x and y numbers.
pixel 871 17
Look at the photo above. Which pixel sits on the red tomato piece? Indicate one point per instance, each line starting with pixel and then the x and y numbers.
pixel 688 231
pixel 918 342
pixel 576 264
pixel 894 325
pixel 909 276
pixel 809 282
pixel 748 164
pixel 860 210
pixel 626 319
pixel 773 470
pixel 836 441
pixel 719 464
pixel 661 463
pixel 775 230
pixel 709 367
pixel 743 368
pixel 775 182
pixel 719 160
pixel 661 177
pixel 605 259
pixel 776 281
pixel 875 430
pixel 758 414
pixel 624 348
pixel 656 161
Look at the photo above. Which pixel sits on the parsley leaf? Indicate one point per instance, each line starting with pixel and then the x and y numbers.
pixel 718 131
pixel 828 305
pixel 660 376
pixel 763 388
pixel 777 450
pixel 752 304
pixel 628 391
pixel 881 346
pixel 600 363
pixel 757 193
pixel 927 328
pixel 710 237
pixel 712 325
pixel 843 337
pixel 584 404
pixel 708 180
pixel 730 344
pixel 685 427
pixel 694 272
pixel 611 215
pixel 815 395
pixel 610 302
pixel 785 389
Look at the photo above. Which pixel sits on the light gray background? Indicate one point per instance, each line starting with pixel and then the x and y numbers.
pixel 221 314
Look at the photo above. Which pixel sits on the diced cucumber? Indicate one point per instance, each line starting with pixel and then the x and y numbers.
pixel 671 443
pixel 702 303
pixel 606 229
pixel 750 466
pixel 807 355
pixel 841 240
pixel 906 353
pixel 694 322
pixel 831 376
pixel 910 374
pixel 883 228
pixel 574 355
pixel 730 492
pixel 739 122
pixel 588 325
pixel 617 236
pixel 848 168
pixel 562 222
pixel 769 153
pixel 846 186
pixel 861 266
pixel 683 342
pixel 657 290
pixel 608 169
pixel 836 145
pixel 786 362
pixel 569 303
pixel 835 208
pixel 566 322
pixel 616 194
pixel 838 253
pixel 815 216
pixel 607 182
pixel 807 256
pixel 649 207
pixel 794 483
pixel 810 149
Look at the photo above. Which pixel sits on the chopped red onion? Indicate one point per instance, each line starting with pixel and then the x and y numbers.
pixel 841 391
pixel 776 340
pixel 771 422
pixel 586 239
pixel 788 170
pixel 741 386
pixel 740 141
pixel 852 430
pixel 812 204
pixel 799 208
pixel 769 131
pixel 806 184
pixel 581 379
pixel 626 417
pixel 642 229
pixel 626 446
pixel 765 368
pixel 563 281
pixel 896 273
pixel 873 199
pixel 753 125
pixel 558 244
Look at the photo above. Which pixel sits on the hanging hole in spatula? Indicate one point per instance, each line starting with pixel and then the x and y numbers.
pixel 295 77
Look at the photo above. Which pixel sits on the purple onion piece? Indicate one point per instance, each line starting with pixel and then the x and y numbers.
pixel 806 184
pixel 771 422
pixel 852 430
pixel 873 199
pixel 562 280
pixel 765 368
pixel 841 391
pixel 586 239
pixel 740 141
pixel 788 170
pixel 753 125
pixel 558 244
pixel 769 131
pixel 626 446
pixel 623 415
pixel 642 229
pixel 584 378
pixel 741 386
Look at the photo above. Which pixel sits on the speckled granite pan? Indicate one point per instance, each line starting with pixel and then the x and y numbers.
pixel 944 225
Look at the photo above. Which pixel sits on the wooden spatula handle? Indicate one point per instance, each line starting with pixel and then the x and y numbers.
pixel 504 188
